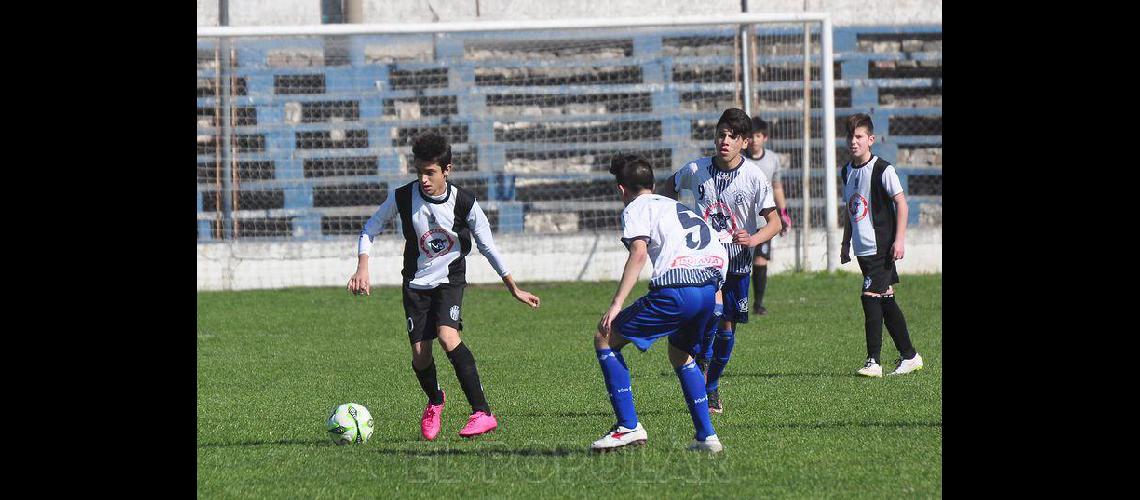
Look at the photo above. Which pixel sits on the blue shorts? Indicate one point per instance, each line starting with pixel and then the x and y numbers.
pixel 682 313
pixel 735 293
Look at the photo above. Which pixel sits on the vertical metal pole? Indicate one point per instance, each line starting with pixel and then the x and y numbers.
pixel 805 217
pixel 354 11
pixel 226 75
pixel 746 66
pixel 829 148
pixel 746 60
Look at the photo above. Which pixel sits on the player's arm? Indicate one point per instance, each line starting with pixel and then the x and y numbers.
pixel 902 210
pixel 638 253
pixel 765 233
pixel 845 246
pixel 781 202
pixel 781 206
pixel 359 282
pixel 765 207
pixel 485 241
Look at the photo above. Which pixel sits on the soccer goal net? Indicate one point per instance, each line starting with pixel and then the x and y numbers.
pixel 302 131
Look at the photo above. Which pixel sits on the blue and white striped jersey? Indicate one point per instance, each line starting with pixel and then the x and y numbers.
pixel 682 246
pixel 729 200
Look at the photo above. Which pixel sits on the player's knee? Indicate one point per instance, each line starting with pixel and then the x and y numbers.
pixel 601 340
pixel 760 261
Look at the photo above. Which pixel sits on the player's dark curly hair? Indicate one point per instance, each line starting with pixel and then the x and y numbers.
pixel 632 171
pixel 759 125
pixel 736 120
pixel 860 120
pixel 432 148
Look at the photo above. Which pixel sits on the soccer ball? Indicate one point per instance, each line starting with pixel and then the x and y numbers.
pixel 350 423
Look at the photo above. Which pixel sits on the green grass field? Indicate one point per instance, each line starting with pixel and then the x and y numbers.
pixel 798 423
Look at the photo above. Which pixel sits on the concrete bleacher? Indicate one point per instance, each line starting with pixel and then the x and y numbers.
pixel 323 125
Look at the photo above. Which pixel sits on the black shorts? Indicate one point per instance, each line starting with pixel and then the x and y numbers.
pixel 427 310
pixel 764 250
pixel 878 272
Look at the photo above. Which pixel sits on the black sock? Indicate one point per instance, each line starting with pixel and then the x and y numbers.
pixel 429 383
pixel 873 324
pixel 896 325
pixel 468 376
pixel 759 283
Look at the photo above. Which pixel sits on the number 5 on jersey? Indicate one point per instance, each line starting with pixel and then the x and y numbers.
pixel 688 219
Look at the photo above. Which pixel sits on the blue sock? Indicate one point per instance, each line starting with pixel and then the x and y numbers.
pixel 693 385
pixel 616 375
pixel 707 339
pixel 621 359
pixel 722 350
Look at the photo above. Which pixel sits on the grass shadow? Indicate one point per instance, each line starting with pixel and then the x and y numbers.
pixel 779 375
pixel 839 425
pixel 534 451
pixel 298 442
pixel 583 414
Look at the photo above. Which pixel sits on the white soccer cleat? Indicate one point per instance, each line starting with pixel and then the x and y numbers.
pixel 908 365
pixel 711 444
pixel 871 369
pixel 621 436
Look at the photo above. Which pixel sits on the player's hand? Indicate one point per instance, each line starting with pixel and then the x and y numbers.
pixel 527 298
pixel 787 220
pixel 358 283
pixel 898 250
pixel 845 253
pixel 605 324
pixel 741 237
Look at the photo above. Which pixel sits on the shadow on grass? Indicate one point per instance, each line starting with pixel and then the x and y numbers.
pixel 839 425
pixel 288 442
pixel 300 442
pixel 778 375
pixel 582 414
pixel 486 452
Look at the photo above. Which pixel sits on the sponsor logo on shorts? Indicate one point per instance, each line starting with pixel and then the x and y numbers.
pixel 454 313
pixel 410 324
pixel 867 283
pixel 742 304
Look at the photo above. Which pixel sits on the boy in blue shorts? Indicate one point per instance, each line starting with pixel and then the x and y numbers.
pixel 689 267
pixel 735 197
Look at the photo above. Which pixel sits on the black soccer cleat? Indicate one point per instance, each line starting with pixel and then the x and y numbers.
pixel 714 402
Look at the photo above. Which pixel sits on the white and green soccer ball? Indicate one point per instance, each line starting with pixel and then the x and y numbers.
pixel 350 423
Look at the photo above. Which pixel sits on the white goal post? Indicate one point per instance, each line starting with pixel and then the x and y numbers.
pixel 303 129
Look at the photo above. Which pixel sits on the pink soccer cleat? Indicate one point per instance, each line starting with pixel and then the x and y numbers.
pixel 480 422
pixel 429 422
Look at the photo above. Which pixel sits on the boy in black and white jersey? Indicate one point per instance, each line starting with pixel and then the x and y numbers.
pixel 876 226
pixel 438 219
